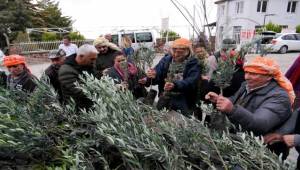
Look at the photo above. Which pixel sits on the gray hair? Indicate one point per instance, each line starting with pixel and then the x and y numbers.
pixel 86 49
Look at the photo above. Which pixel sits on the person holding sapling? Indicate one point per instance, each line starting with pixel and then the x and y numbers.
pixel 143 58
pixel 177 76
pixel 262 104
pixel 226 55
pixel 128 75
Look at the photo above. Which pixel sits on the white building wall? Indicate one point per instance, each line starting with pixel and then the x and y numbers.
pixel 251 18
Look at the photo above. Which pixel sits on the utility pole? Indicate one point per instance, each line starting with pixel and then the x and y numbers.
pixel 194 21
pixel 266 16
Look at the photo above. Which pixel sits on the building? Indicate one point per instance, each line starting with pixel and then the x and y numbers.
pixel 238 19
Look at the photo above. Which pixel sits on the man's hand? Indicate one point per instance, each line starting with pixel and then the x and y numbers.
pixel 224 104
pixel 212 96
pixel 143 81
pixel 169 86
pixel 151 73
pixel 289 140
pixel 205 77
pixel 272 138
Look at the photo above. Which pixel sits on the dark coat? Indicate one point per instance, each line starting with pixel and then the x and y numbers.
pixel 187 87
pixel 137 89
pixel 237 79
pixel 261 111
pixel 25 82
pixel 105 61
pixel 68 74
pixel 3 78
pixel 52 73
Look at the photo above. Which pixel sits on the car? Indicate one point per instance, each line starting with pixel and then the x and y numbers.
pixel 267 37
pixel 138 37
pixel 284 42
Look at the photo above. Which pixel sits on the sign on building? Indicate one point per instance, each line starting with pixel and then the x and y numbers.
pixel 165 24
pixel 247 34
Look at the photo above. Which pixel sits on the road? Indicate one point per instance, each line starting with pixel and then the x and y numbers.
pixel 284 60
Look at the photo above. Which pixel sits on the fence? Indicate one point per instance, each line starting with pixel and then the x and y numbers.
pixel 43 47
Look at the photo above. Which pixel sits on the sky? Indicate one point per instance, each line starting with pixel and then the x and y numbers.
pixel 95 17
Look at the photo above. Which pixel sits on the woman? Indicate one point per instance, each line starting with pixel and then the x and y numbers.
pixel 20 78
pixel 126 47
pixel 293 74
pixel 128 75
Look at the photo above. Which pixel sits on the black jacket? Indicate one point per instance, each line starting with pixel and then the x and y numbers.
pixel 52 73
pixel 237 79
pixel 25 82
pixel 105 61
pixel 69 74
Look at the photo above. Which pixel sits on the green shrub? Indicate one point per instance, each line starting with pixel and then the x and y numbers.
pixel 49 36
pixel 76 36
pixel 298 29
pixel 273 27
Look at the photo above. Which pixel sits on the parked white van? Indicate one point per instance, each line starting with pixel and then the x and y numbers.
pixel 145 37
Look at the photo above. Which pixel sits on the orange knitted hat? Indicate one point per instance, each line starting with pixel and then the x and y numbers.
pixel 13 60
pixel 182 43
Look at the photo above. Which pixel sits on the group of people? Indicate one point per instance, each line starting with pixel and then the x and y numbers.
pixel 260 98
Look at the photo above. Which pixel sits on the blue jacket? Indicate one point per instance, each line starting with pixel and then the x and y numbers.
pixel 187 87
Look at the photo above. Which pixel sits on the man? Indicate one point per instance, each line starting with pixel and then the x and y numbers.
pixel 57 58
pixel 263 103
pixel 177 77
pixel 70 71
pixel 68 47
pixel 105 58
pixel 20 78
pixel 227 44
pixel 108 37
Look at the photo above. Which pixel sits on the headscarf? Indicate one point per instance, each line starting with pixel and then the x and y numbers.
pixel 268 66
pixel 104 42
pixel 131 68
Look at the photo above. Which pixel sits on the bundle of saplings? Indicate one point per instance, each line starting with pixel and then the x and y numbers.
pixel 36 132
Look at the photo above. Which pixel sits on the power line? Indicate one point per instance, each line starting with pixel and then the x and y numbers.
pixel 185 17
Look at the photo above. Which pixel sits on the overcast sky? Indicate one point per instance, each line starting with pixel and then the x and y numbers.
pixel 95 17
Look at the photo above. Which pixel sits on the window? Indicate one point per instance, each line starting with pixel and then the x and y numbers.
pixel 297 36
pixel 222 10
pixel 131 36
pixel 237 34
pixel 144 37
pixel 262 5
pixel 239 7
pixel 291 7
pixel 221 33
pixel 289 37
pixel 284 26
pixel 115 39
